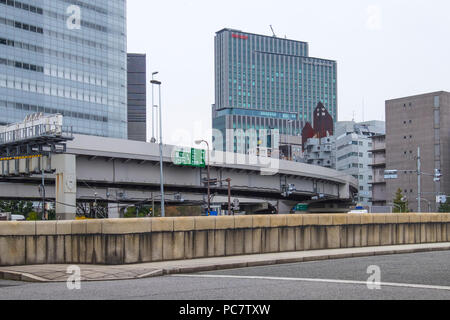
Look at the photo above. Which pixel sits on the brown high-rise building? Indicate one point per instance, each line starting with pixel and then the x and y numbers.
pixel 421 121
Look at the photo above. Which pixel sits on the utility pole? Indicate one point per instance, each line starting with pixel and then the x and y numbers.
pixel 229 196
pixel 43 193
pixel 153 206
pixel 209 173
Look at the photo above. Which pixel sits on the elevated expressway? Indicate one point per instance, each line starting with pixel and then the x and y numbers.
pixel 122 171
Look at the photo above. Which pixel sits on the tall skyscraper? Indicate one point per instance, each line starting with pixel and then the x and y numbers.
pixel 137 97
pixel 264 83
pixel 67 57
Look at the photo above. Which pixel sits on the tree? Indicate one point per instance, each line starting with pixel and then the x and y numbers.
pixel 137 212
pixel 445 207
pixel 33 216
pixel 17 207
pixel 400 203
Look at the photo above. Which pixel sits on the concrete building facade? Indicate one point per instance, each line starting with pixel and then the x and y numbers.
pixel 421 121
pixel 66 57
pixel 379 196
pixel 353 156
pixel 321 152
pixel 267 83
pixel 137 97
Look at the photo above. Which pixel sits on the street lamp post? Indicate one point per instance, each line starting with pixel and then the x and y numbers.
pixel 290 136
pixel 161 163
pixel 209 176
pixel 428 202
pixel 153 140
pixel 229 195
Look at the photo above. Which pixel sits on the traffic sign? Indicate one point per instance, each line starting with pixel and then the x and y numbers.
pixel 198 158
pixel 391 174
pixel 301 207
pixel 190 157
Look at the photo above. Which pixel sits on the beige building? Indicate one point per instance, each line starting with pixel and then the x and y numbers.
pixel 418 121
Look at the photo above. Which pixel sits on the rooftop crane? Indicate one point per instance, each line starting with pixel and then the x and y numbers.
pixel 274 35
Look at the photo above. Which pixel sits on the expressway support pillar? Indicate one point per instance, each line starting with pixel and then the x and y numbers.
pixel 285 206
pixel 65 186
pixel 344 191
pixel 113 211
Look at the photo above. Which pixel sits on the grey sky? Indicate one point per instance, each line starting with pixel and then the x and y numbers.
pixel 384 49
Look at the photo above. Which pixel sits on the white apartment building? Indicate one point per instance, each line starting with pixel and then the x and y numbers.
pixel 353 153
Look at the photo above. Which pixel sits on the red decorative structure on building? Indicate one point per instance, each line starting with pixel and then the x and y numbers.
pixel 323 125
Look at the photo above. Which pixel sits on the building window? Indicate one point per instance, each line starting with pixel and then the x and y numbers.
pixel 436 102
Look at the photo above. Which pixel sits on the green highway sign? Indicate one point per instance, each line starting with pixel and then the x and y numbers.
pixel 190 157
pixel 301 207
pixel 198 158
pixel 182 158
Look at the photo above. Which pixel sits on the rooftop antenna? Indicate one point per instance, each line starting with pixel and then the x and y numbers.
pixel 274 35
pixel 363 110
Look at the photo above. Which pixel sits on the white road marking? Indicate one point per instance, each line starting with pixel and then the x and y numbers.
pixel 387 284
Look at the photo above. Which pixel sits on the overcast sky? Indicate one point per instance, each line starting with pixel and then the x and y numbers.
pixel 384 49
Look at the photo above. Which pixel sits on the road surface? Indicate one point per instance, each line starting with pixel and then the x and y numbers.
pixel 405 276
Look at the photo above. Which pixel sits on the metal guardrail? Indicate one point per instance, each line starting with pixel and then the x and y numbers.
pixel 37 131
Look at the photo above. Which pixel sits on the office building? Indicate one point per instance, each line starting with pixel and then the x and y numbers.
pixel 137 97
pixel 321 152
pixel 421 121
pixel 66 57
pixel 379 196
pixel 353 153
pixel 267 83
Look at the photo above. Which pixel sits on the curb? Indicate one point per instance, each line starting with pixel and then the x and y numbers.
pixel 26 277
pixel 19 276
pixel 262 263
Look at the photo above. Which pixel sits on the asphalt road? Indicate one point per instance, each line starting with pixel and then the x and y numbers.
pixel 407 276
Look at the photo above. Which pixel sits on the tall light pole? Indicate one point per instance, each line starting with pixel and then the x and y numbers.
pixel 153 140
pixel 161 174
pixel 209 177
pixel 290 136
pixel 429 204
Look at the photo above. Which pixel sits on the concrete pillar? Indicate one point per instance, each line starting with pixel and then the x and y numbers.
pixel 113 211
pixel 344 191
pixel 285 207
pixel 65 186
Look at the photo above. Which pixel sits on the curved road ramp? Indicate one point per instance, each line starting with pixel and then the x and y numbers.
pixel 137 248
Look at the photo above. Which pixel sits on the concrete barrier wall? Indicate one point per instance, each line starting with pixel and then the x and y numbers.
pixel 127 241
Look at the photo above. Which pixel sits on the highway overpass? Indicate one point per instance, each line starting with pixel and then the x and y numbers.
pixel 122 171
